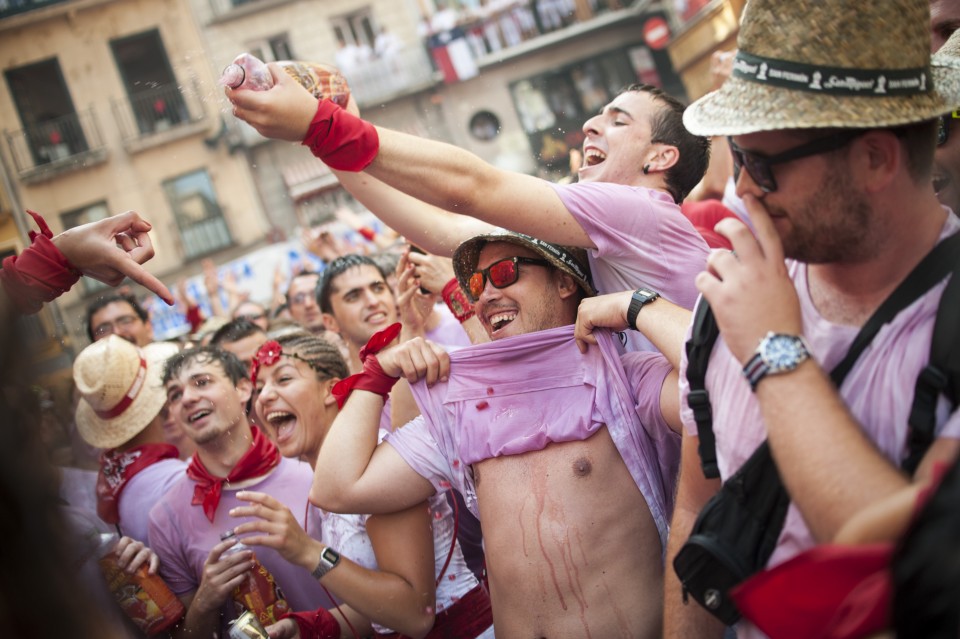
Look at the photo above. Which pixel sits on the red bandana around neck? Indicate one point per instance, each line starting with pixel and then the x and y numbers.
pixel 118 467
pixel 260 459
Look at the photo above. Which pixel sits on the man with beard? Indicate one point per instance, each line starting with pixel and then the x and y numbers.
pixel 839 182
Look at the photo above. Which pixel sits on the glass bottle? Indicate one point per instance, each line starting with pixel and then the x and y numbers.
pixel 259 592
pixel 322 80
pixel 145 598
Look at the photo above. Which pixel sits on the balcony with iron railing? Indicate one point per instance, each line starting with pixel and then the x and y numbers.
pixel 43 150
pixel 159 115
pixel 380 79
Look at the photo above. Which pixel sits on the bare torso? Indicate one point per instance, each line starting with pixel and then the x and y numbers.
pixel 571 547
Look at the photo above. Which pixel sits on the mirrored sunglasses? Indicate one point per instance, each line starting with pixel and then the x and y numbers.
pixel 501 274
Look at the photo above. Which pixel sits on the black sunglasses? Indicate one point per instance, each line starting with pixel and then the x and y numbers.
pixel 760 167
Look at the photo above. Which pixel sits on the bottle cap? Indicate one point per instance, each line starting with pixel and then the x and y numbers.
pixel 233 76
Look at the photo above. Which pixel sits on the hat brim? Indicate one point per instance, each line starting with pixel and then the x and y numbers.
pixel 741 107
pixel 110 433
pixel 467 256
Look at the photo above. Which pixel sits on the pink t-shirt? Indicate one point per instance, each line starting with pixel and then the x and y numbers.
pixel 182 536
pixel 143 491
pixel 642 238
pixel 448 332
pixel 521 393
pixel 878 390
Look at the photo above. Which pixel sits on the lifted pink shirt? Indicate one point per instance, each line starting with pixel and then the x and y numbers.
pixel 519 394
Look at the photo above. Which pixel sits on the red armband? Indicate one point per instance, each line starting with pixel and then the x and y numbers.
pixel 457 301
pixel 367 233
pixel 342 140
pixel 316 624
pixel 40 273
pixel 372 378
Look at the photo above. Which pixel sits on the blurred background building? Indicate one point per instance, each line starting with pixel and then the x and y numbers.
pixel 110 105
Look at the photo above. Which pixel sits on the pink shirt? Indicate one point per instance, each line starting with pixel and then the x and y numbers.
pixel 642 238
pixel 448 332
pixel 182 536
pixel 143 491
pixel 518 394
pixel 878 390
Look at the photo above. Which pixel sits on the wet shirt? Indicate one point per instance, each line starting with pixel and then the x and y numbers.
pixel 642 239
pixel 522 393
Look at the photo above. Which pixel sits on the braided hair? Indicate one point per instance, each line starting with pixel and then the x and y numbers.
pixel 322 356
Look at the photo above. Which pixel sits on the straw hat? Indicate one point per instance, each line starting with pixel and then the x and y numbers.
pixel 121 389
pixel 946 66
pixel 568 259
pixel 813 64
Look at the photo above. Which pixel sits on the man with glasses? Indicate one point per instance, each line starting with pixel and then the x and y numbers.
pixel 831 113
pixel 252 312
pixel 566 458
pixel 121 315
pixel 302 302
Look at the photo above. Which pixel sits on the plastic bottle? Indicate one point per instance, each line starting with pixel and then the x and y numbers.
pixel 259 593
pixel 322 80
pixel 145 598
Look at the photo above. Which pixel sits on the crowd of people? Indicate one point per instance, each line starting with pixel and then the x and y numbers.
pixel 676 396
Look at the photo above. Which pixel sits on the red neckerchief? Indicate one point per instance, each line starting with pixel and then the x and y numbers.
pixel 260 459
pixel 118 467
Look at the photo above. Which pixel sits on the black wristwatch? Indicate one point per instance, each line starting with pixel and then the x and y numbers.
pixel 641 297
pixel 329 558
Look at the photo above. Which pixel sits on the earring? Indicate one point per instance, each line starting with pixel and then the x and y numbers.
pixel 646 169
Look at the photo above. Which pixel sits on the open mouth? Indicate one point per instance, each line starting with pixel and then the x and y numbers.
pixel 500 320
pixel 282 421
pixel 593 157
pixel 940 182
pixel 197 416
pixel 376 318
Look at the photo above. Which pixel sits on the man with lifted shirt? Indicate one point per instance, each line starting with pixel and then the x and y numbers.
pixel 548 446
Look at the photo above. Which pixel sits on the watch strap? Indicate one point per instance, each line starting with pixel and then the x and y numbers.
pixel 641 297
pixel 329 558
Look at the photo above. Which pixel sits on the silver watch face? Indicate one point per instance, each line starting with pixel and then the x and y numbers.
pixel 782 353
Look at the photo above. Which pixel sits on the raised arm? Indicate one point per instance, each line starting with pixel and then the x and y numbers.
pixel 433 172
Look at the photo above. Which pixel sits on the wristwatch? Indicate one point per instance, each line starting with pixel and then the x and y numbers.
pixel 329 558
pixel 641 297
pixel 777 353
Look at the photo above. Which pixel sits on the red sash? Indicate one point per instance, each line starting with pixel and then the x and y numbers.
pixel 260 459
pixel 119 467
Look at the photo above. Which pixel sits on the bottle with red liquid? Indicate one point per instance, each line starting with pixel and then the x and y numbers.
pixel 145 598
pixel 259 593
pixel 322 80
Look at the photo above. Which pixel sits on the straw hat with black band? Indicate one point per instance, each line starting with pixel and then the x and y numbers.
pixel 570 260
pixel 810 64
pixel 121 389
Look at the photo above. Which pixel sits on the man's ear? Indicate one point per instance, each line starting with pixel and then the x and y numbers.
pixel 330 322
pixel 566 285
pixel 880 156
pixel 245 390
pixel 662 157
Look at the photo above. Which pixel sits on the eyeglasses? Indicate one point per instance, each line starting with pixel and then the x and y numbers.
pixel 943 128
pixel 760 167
pixel 301 298
pixel 501 274
pixel 106 328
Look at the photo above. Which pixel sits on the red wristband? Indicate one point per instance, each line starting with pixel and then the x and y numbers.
pixel 372 378
pixel 367 232
pixel 457 301
pixel 40 273
pixel 342 140
pixel 315 624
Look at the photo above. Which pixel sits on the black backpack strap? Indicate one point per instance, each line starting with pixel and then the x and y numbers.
pixel 941 375
pixel 699 346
